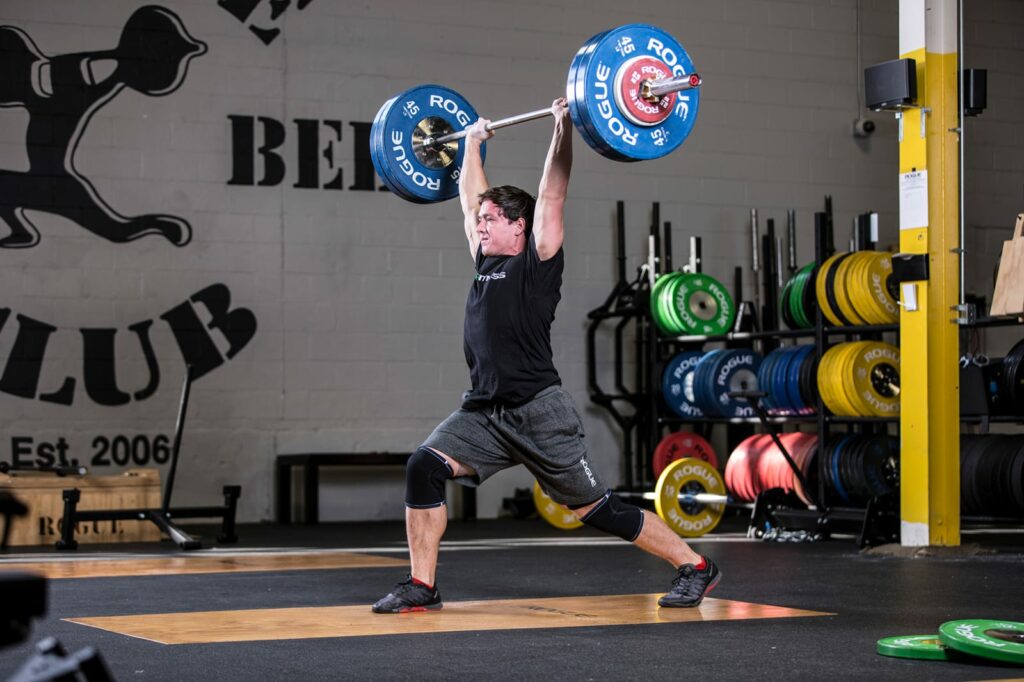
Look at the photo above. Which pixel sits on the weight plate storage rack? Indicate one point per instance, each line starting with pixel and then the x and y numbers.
pixel 826 360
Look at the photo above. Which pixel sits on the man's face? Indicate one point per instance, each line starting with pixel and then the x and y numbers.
pixel 498 236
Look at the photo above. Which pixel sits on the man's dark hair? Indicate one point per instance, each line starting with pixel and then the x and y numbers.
pixel 513 202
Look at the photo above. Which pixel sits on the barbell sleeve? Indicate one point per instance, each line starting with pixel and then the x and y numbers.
pixel 699 498
pixel 657 89
pixel 649 90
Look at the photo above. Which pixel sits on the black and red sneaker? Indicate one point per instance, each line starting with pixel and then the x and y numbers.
pixel 692 584
pixel 409 595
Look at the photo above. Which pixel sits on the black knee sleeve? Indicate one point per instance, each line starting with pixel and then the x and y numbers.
pixel 425 476
pixel 614 516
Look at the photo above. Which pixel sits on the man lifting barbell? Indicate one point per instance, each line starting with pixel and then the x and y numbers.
pixel 517 411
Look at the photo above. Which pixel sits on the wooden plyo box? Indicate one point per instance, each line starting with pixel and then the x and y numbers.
pixel 42 494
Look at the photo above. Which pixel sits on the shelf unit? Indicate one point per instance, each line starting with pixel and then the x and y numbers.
pixel 644 426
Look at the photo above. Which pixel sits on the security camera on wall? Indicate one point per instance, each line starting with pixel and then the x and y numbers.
pixel 863 127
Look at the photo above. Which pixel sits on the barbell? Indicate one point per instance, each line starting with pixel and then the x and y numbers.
pixel 625 91
pixel 689 496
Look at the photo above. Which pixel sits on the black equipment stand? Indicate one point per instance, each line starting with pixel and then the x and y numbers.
pixel 163 516
pixel 10 507
pixel 52 662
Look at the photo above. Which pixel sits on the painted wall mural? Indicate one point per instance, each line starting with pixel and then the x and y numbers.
pixel 61 94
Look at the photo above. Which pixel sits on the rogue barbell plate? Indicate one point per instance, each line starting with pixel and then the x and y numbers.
pixel 847 463
pixel 999 640
pixel 611 55
pixel 809 298
pixel 741 469
pixel 425 173
pixel 968 448
pixel 377 143
pixel 735 474
pixel 655 305
pixel 785 309
pixel 821 295
pixel 1000 490
pixel 790 373
pixel 582 120
pixel 628 88
pixel 881 464
pixel 730 371
pixel 882 289
pixel 828 279
pixel 808 381
pixel 377 154
pixel 377 149
pixel 677 386
pixel 844 371
pixel 826 380
pixel 701 381
pixel 765 382
pixel 670 321
pixel 803 296
pixel 659 305
pixel 688 475
pixel 876 378
pixel 779 373
pixel 801 354
pixel 574 94
pixel 835 466
pixel 857 479
pixel 923 647
pixel 557 515
pixel 846 290
pixel 859 291
pixel 702 304
pixel 803 450
pixel 680 445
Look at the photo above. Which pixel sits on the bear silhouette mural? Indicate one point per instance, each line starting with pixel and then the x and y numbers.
pixel 61 94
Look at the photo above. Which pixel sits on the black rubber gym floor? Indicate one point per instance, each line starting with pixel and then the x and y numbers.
pixel 871 596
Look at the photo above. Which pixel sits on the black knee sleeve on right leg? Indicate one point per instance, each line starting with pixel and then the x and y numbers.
pixel 425 476
pixel 614 516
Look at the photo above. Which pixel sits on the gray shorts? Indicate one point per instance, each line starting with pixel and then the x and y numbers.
pixel 545 435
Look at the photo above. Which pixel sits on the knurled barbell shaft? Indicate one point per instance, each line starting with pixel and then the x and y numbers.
pixel 493 125
pixel 654 88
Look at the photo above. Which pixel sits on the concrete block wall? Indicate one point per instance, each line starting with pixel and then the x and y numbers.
pixel 357 296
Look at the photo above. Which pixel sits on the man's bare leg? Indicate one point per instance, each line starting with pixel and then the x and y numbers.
pixel 424 528
pixel 661 541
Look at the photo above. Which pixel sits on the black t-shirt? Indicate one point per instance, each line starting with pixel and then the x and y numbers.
pixel 509 312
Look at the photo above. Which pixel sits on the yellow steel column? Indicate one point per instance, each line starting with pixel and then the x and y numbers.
pixel 929 340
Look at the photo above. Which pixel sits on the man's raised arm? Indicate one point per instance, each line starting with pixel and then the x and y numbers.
pixel 472 181
pixel 554 184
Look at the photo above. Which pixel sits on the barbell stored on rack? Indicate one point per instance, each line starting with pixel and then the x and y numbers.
pixel 623 91
pixel 689 496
